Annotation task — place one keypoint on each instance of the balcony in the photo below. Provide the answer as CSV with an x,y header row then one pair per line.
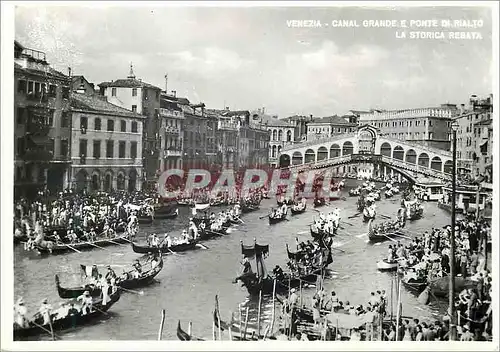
x,y
172,152
228,125
172,130
171,113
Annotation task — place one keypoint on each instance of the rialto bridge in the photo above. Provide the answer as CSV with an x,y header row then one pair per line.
x,y
367,146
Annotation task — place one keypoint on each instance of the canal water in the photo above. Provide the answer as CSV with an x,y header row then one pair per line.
x,y
188,283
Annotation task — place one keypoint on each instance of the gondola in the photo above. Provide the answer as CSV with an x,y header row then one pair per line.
x,y
36,328
319,234
183,247
298,208
128,283
319,202
60,248
184,336
185,202
249,207
276,219
286,201
368,214
380,237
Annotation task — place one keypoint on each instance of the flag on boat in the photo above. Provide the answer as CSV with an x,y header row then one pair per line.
x,y
87,270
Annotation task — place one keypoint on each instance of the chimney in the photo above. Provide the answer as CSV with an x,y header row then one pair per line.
x,y
311,117
166,83
69,71
227,108
263,110
174,92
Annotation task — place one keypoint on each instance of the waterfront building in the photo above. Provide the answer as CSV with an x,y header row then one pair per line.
x,y
195,133
143,98
79,83
300,122
475,137
427,126
106,145
171,132
42,124
324,127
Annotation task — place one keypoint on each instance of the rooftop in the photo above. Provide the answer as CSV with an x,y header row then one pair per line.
x,y
48,71
332,120
93,103
128,83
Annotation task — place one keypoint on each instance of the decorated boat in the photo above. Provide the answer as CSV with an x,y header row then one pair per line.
x,y
43,246
369,213
262,281
67,320
379,235
298,208
412,210
319,202
181,247
127,281
275,218
319,234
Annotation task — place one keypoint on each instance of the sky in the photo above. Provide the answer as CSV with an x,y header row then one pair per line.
x,y
249,58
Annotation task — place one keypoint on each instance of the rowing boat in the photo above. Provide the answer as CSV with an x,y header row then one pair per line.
x,y
385,265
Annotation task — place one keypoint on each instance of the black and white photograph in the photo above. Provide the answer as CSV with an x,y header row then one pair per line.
x,y
218,172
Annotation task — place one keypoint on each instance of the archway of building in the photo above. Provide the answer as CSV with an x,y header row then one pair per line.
x,y
436,163
297,158
398,153
411,156
347,148
423,160
385,149
335,151
322,153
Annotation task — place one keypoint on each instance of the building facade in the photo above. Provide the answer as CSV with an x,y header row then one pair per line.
x,y
106,147
143,98
80,84
426,126
171,132
324,127
42,124
474,136
195,134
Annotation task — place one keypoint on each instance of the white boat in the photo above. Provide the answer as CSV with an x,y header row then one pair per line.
x,y
384,265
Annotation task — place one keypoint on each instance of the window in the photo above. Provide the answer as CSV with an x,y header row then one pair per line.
x,y
51,117
83,123
109,149
97,149
133,150
30,87
123,126
65,92
21,86
111,126
20,146
97,124
52,90
113,92
134,126
64,148
37,87
83,148
20,115
121,149
430,123
134,92
431,135
51,146
134,108
65,119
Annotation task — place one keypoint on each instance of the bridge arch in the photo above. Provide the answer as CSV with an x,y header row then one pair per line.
x,y
385,149
423,160
398,153
322,153
436,163
411,156
448,167
284,160
334,150
347,148
297,158
310,156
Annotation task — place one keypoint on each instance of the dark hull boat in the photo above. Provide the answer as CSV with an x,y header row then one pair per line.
x,y
319,234
276,219
183,247
184,336
381,237
36,327
319,202
127,283
297,209
247,208
61,248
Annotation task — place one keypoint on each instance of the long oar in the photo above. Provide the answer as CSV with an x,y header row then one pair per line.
x,y
46,330
241,221
348,223
171,251
262,217
354,216
201,246
76,250
140,293
385,216
94,245
393,240
120,244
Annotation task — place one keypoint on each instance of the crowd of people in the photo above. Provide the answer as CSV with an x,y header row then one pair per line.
x,y
327,223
